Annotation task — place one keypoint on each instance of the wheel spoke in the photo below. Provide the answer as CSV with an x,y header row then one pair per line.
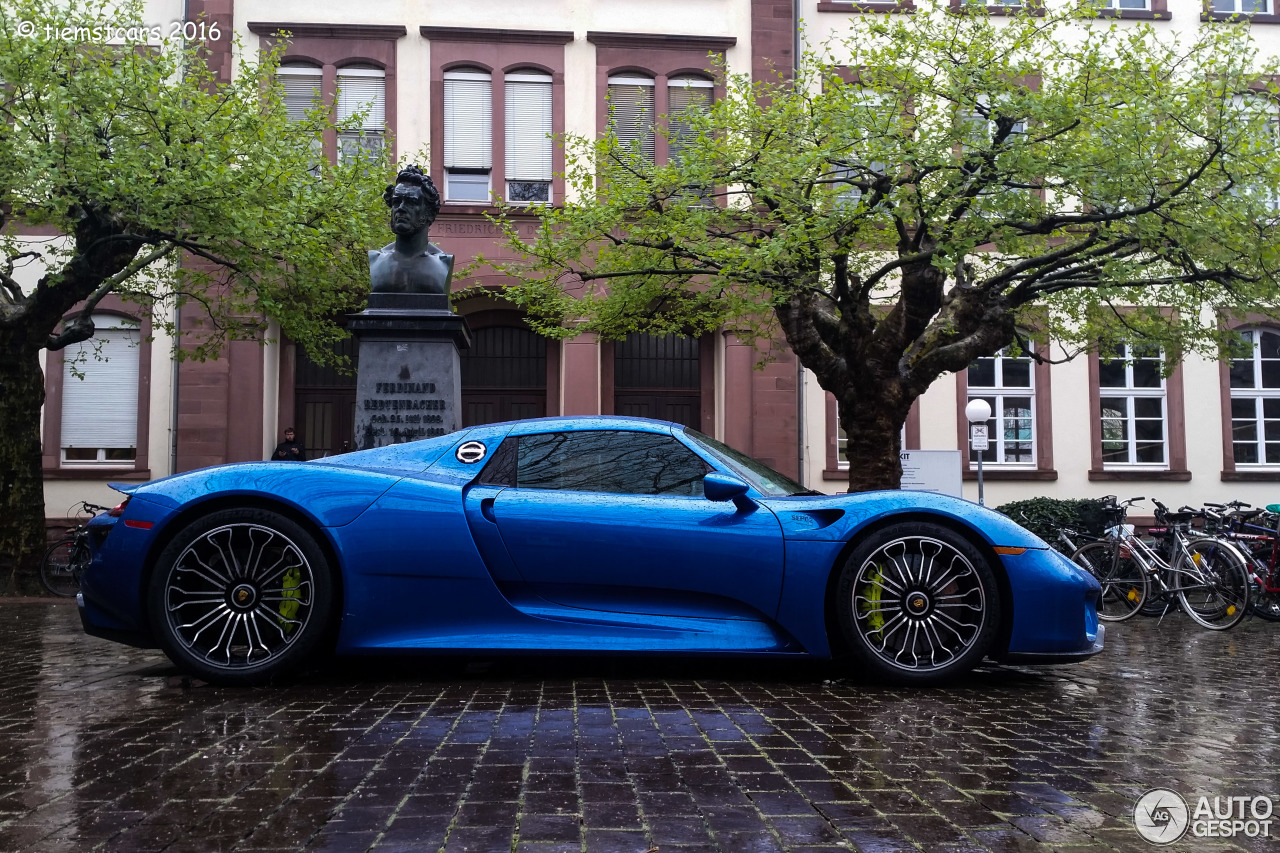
x,y
240,595
919,604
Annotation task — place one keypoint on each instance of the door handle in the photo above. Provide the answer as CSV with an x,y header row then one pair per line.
x,y
486,509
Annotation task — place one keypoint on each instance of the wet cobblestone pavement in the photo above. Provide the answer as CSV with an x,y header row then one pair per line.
x,y
102,748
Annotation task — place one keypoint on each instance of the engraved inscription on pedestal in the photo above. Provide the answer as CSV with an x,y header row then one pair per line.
x,y
406,390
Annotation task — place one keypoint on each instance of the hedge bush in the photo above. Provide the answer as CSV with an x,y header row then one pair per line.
x,y
1046,516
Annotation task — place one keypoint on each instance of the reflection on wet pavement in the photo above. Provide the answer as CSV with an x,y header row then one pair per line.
x,y
102,748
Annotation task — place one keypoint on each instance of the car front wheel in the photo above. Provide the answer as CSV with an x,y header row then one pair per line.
x,y
241,597
918,603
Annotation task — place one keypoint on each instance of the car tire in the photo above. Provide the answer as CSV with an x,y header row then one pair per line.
x,y
241,597
918,604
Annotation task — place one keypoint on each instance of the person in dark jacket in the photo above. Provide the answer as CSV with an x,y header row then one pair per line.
x,y
289,449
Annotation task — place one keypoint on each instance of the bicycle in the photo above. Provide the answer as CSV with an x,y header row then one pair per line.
x,y
1260,543
1208,577
66,560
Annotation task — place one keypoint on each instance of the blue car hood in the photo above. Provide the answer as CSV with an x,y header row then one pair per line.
x,y
831,517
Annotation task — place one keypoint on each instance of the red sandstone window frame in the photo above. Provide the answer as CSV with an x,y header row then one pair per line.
x,y
658,57
1260,473
332,47
1042,404
138,468
1175,469
499,52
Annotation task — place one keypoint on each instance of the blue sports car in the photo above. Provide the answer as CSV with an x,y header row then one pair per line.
x,y
613,535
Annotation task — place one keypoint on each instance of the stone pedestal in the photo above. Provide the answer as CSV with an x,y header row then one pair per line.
x,y
409,383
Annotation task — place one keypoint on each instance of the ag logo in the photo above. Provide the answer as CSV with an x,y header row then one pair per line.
x,y
1161,816
241,596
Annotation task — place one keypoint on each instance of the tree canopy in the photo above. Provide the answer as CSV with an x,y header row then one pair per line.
x,y
166,187
927,190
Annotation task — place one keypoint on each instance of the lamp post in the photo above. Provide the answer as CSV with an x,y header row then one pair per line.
x,y
978,412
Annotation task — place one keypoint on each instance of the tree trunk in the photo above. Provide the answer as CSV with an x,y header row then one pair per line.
x,y
872,420
22,535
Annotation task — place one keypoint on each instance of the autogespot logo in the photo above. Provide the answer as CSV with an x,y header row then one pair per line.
x,y
1162,816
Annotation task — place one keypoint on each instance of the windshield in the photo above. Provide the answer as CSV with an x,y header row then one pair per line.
x,y
762,478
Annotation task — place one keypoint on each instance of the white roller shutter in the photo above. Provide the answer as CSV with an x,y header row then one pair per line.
x,y
302,88
363,89
683,95
528,129
468,120
631,112
101,410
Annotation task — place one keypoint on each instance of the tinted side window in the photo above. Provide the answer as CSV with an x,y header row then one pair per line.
x,y
615,462
501,467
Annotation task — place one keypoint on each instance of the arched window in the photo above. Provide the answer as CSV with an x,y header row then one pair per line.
x,y
100,395
1255,400
631,112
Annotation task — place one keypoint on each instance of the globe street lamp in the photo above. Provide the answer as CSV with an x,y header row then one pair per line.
x,y
978,412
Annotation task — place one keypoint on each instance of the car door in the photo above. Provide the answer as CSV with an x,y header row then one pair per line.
x,y
616,520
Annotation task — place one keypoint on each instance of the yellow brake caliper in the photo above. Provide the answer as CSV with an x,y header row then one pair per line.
x,y
292,594
871,607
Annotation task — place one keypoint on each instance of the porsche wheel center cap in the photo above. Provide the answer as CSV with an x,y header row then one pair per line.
x,y
917,603
244,597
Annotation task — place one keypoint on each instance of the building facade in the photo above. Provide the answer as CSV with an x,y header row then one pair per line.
x,y
480,87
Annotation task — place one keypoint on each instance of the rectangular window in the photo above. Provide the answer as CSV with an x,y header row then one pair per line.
x,y
631,113
100,395
1008,386
1125,4
1131,394
1255,401
528,142
362,91
468,134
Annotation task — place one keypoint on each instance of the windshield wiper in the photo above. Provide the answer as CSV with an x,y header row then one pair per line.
x,y
806,493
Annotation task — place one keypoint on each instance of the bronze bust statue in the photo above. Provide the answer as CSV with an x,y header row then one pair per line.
x,y
412,264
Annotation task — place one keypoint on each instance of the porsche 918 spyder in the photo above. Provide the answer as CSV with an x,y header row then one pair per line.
x,y
570,535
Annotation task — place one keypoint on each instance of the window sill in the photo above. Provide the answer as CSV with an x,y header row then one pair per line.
x,y
835,474
1251,475
855,8
1240,17
1139,475
1135,14
990,473
996,10
473,209
94,472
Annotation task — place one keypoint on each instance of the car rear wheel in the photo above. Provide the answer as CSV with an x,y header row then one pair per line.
x,y
241,596
918,603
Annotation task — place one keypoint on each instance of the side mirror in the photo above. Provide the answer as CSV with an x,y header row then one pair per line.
x,y
726,487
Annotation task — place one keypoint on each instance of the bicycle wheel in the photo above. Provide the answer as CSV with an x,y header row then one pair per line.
x,y
1124,585
1214,590
58,569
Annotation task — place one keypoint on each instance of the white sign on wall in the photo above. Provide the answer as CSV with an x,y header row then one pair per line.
x,y
932,471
